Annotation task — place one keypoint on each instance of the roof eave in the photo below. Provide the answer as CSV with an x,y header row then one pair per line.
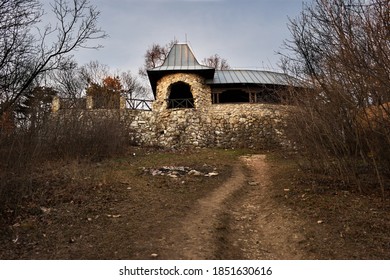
x,y
155,75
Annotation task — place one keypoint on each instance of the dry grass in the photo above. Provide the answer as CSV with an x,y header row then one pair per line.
x,y
110,209
341,223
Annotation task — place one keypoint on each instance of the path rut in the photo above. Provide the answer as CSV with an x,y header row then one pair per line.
x,y
238,220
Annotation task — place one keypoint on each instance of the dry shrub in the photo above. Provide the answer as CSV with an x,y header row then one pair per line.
x,y
85,134
67,137
340,49
333,139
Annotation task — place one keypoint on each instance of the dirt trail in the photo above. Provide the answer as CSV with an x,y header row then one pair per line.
x,y
239,220
195,236
262,228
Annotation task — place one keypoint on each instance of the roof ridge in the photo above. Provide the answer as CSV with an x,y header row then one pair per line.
x,y
254,70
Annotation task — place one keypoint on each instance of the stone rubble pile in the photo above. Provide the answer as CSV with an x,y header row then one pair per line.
x,y
177,171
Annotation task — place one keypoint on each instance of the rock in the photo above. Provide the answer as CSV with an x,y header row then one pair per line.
x,y
320,222
212,174
156,172
194,172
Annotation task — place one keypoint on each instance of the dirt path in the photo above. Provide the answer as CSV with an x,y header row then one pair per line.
x,y
195,236
261,228
239,220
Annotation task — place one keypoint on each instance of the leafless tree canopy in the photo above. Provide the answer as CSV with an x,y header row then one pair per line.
x,y
72,81
27,50
216,62
341,51
155,56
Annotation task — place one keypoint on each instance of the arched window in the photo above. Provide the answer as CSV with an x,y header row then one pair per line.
x,y
180,96
234,96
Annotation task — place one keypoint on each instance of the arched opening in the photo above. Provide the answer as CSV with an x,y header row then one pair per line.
x,y
180,96
234,96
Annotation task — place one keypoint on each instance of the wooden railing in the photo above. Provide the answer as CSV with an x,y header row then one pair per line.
x,y
180,103
88,103
139,104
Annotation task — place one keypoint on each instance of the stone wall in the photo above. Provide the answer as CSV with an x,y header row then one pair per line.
x,y
250,125
225,126
222,125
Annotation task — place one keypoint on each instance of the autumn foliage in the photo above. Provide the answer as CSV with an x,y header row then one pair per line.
x,y
107,94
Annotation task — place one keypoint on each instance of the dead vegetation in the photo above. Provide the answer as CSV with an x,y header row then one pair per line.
x,y
340,125
114,209
108,209
340,221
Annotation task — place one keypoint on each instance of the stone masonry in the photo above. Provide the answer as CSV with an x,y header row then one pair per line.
x,y
250,125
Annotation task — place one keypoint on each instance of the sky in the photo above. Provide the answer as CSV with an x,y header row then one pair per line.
x,y
247,33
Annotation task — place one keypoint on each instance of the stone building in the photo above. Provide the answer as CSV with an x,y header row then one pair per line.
x,y
181,82
203,106
200,106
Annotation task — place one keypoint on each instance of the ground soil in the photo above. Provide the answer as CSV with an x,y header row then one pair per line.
x,y
257,206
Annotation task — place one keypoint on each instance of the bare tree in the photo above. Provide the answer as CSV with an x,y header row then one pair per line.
x,y
93,72
155,56
133,88
26,54
71,82
341,48
68,81
216,62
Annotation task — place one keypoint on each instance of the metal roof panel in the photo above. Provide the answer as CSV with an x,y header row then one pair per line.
x,y
249,77
181,57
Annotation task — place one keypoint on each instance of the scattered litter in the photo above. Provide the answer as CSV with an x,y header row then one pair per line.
x,y
320,222
16,239
114,216
154,255
45,210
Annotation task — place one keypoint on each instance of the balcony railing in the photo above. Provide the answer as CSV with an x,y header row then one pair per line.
x,y
180,103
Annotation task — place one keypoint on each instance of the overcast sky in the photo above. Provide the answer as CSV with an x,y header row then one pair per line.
x,y
247,33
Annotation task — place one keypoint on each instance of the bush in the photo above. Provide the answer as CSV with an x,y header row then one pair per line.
x,y
72,135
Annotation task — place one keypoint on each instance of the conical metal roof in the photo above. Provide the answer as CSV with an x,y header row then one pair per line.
x,y
181,57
